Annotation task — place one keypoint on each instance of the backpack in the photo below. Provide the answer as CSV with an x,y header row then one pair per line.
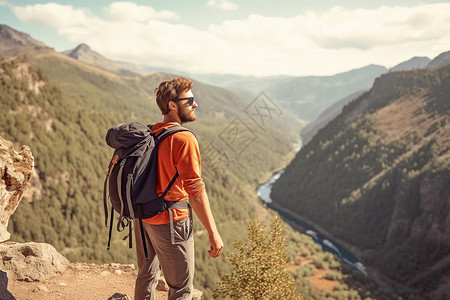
x,y
130,183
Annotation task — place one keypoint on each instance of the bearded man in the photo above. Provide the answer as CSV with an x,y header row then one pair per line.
x,y
172,249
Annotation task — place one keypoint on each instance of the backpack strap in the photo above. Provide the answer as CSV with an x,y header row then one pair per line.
x,y
128,193
169,186
105,201
113,162
110,228
119,188
130,235
169,130
144,241
169,205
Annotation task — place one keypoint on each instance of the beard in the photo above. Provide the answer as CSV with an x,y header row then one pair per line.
x,y
187,116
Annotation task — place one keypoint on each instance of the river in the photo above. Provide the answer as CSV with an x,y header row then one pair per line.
x,y
327,243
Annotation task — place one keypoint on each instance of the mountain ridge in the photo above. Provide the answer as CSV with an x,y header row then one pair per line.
x,y
441,60
85,54
416,62
14,38
14,43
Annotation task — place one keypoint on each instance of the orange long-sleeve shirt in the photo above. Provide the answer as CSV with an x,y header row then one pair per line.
x,y
179,151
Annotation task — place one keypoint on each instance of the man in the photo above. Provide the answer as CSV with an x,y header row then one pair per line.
x,y
178,152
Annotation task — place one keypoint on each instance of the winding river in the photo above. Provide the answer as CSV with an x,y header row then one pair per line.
x,y
327,244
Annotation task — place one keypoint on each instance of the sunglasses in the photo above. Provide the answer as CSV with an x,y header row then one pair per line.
x,y
191,100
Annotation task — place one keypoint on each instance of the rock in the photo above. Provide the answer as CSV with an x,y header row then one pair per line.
x,y
31,261
4,294
16,169
40,288
119,296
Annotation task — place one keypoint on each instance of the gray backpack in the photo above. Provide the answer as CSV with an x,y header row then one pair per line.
x,y
130,183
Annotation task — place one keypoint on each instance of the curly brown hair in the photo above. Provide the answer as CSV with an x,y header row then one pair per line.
x,y
170,90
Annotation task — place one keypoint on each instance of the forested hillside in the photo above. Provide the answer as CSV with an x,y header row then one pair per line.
x,y
377,178
62,109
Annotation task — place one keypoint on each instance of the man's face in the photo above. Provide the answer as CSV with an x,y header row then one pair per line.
x,y
185,111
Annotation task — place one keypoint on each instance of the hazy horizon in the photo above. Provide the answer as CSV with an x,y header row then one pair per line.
x,y
266,38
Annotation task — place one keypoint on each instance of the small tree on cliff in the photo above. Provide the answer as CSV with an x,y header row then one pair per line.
x,y
259,267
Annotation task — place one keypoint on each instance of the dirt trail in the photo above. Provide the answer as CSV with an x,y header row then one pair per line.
x,y
81,281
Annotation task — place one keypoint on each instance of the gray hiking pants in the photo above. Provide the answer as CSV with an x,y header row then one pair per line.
x,y
176,260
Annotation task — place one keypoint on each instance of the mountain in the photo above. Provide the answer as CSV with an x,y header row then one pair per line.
x,y
376,179
16,43
326,116
335,109
442,59
309,96
85,54
411,64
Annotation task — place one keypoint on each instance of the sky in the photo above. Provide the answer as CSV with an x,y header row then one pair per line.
x,y
245,37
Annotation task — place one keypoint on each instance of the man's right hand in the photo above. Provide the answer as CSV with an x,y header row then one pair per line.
x,y
216,245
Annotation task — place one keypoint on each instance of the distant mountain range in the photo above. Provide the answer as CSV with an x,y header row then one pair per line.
x,y
305,96
313,99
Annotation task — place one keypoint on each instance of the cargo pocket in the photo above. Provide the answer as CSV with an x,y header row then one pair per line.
x,y
182,230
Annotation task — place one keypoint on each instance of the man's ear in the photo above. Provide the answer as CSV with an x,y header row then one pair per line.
x,y
172,106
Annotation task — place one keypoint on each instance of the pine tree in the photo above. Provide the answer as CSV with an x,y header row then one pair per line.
x,y
259,267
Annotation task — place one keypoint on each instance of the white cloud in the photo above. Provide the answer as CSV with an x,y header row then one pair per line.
x,y
310,43
222,4
386,26
51,14
129,11
340,39
5,3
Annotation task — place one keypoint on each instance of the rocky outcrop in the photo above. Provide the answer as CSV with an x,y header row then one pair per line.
x,y
15,175
28,261
31,261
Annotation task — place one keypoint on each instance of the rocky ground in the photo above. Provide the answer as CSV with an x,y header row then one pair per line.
x,y
82,281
